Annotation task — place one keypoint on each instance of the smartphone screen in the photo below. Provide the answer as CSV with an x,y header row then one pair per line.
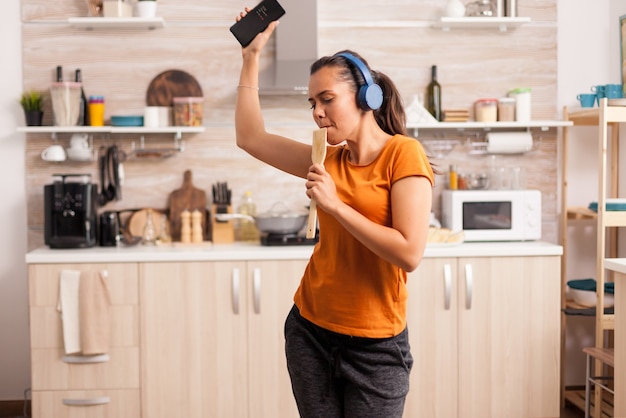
x,y
256,21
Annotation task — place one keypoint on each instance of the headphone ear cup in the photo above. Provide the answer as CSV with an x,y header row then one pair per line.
x,y
373,96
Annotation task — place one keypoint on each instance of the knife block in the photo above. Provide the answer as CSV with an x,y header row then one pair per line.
x,y
223,232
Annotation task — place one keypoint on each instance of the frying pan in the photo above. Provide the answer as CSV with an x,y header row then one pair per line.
x,y
271,222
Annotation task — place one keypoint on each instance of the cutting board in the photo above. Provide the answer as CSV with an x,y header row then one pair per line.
x,y
169,84
190,198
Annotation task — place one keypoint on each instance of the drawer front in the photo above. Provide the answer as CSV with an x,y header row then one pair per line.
x,y
46,327
51,370
44,282
86,404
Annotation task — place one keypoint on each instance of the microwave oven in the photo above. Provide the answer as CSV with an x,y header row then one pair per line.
x,y
493,215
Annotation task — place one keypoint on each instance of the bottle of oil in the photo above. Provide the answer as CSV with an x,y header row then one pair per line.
x,y
246,229
433,95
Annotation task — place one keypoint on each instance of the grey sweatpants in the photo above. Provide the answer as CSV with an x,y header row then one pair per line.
x,y
338,376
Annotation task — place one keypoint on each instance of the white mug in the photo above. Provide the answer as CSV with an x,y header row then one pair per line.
x,y
53,153
151,117
79,141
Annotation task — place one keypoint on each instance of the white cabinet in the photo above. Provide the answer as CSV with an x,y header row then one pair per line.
x,y
74,386
212,338
485,335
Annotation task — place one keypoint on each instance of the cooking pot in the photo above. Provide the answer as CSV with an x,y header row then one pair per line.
x,y
272,222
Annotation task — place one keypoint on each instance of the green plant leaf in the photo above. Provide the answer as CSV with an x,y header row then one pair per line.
x,y
32,101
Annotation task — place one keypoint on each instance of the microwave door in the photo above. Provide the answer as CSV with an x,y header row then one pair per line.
x,y
487,216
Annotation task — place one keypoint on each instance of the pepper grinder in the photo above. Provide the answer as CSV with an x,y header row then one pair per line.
x,y
185,226
196,227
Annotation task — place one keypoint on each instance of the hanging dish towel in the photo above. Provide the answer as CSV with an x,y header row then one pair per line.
x,y
94,305
69,285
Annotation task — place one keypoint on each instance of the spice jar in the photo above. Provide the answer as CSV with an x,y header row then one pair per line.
x,y
506,109
486,110
188,111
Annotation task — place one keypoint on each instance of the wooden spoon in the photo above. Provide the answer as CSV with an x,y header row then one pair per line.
x,y
318,155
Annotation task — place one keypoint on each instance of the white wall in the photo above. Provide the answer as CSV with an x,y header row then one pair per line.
x,y
14,341
588,55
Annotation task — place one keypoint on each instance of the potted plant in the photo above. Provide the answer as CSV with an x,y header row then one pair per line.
x,y
146,8
32,103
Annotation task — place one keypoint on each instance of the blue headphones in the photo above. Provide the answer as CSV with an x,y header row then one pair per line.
x,y
370,95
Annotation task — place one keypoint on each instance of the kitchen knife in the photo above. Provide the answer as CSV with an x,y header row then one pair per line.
x,y
318,155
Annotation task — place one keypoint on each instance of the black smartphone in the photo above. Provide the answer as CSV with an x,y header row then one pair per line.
x,y
256,21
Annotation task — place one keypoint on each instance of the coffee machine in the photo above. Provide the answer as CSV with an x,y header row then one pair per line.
x,y
70,211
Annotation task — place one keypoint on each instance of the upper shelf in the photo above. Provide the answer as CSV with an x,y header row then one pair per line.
x,y
111,129
177,130
543,124
502,23
91,23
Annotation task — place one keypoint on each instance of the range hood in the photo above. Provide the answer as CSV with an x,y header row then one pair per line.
x,y
296,50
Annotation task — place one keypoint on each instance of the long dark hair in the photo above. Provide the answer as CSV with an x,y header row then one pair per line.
x,y
390,116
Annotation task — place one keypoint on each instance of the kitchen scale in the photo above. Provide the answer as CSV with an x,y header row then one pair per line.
x,y
287,239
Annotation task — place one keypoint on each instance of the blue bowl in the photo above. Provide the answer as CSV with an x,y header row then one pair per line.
x,y
126,120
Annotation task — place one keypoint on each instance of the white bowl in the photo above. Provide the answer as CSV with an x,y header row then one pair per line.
x,y
588,298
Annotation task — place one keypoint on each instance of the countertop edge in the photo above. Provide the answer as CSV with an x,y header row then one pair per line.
x,y
252,252
615,264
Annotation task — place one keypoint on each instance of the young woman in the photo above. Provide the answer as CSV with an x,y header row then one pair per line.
x,y
346,339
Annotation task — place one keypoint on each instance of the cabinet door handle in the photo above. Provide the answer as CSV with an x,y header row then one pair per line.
x,y
235,283
256,283
101,400
447,286
100,358
469,286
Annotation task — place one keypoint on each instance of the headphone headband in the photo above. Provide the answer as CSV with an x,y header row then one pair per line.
x,y
370,95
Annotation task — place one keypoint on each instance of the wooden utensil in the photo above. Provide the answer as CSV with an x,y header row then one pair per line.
x,y
318,155
169,84
187,197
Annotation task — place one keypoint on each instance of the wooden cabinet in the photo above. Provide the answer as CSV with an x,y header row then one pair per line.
x,y
485,334
76,386
212,338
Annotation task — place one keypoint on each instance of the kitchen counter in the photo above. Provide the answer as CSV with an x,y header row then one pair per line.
x,y
245,251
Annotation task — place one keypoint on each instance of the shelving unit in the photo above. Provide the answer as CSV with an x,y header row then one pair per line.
x,y
607,222
501,23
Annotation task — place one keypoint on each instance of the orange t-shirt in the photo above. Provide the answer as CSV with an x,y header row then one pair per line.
x,y
346,288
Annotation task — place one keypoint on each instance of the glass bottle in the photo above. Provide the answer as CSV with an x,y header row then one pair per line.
x,y
246,228
164,233
83,115
433,95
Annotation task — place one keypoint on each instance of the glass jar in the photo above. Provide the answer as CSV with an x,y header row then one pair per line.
x,y
481,8
506,109
486,110
188,111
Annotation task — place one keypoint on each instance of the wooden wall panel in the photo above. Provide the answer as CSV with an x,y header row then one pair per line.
x,y
120,64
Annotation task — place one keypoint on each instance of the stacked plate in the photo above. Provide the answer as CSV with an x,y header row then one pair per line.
x,y
127,120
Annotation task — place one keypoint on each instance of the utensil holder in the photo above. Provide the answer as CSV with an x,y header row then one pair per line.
x,y
223,232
